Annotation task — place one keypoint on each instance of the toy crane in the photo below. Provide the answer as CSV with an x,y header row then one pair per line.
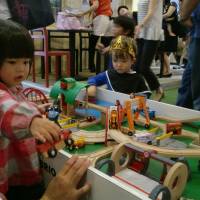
x,y
140,100
120,113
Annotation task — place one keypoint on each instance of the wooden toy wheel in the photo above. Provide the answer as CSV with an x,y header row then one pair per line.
x,y
176,180
121,157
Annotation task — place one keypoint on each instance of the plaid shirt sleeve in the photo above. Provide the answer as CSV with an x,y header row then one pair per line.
x,y
15,116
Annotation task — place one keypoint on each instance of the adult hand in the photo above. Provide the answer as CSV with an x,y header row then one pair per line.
x,y
65,184
137,30
44,130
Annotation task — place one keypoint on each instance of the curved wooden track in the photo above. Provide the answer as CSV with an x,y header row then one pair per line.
x,y
120,137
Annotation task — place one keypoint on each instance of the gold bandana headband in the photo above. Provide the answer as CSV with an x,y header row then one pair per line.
x,y
126,45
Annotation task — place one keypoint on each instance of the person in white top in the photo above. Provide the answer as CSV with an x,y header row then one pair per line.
x,y
148,33
4,10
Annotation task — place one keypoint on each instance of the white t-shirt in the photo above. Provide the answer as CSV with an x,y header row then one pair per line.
x,y
4,10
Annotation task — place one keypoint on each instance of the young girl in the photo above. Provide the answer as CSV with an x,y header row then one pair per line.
x,y
20,121
120,78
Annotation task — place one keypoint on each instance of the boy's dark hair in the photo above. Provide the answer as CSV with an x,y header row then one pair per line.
x,y
126,23
15,41
120,7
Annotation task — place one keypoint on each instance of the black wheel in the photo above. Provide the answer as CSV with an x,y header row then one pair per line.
x,y
130,133
111,166
147,126
199,165
149,142
69,142
160,189
52,152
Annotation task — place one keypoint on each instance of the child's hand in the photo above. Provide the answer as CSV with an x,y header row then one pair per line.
x,y
105,50
64,185
2,197
44,106
100,46
44,130
92,90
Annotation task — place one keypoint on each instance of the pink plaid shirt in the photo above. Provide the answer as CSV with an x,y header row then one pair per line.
x,y
19,164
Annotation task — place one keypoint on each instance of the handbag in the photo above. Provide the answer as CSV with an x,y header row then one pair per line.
x,y
31,13
66,21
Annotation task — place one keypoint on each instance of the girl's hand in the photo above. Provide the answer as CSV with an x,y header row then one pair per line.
x,y
44,106
44,130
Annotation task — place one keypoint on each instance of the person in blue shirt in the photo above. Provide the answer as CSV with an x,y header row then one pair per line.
x,y
189,91
120,78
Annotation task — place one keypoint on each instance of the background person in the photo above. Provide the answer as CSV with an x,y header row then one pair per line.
x,y
189,91
101,11
120,78
149,33
20,120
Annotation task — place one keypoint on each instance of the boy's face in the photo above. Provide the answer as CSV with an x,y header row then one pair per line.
x,y
117,30
14,70
122,65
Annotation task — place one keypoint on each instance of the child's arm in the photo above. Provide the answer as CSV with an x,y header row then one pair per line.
x,y
18,119
98,80
65,184
94,81
92,91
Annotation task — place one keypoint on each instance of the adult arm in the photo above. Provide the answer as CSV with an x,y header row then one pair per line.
x,y
93,7
151,9
187,7
170,11
152,6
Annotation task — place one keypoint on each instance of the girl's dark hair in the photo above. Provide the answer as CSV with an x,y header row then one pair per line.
x,y
126,23
120,7
15,41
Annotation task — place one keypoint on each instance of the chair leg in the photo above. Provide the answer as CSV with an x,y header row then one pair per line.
x,y
33,70
68,64
56,68
46,65
77,66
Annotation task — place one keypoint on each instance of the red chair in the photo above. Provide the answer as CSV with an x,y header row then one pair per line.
x,y
46,53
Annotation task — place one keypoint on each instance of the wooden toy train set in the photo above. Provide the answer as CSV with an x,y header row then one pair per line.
x,y
131,132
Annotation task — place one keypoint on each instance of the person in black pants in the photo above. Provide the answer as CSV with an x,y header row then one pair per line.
x,y
145,54
92,46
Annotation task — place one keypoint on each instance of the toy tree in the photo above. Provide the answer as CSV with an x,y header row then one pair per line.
x,y
68,89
